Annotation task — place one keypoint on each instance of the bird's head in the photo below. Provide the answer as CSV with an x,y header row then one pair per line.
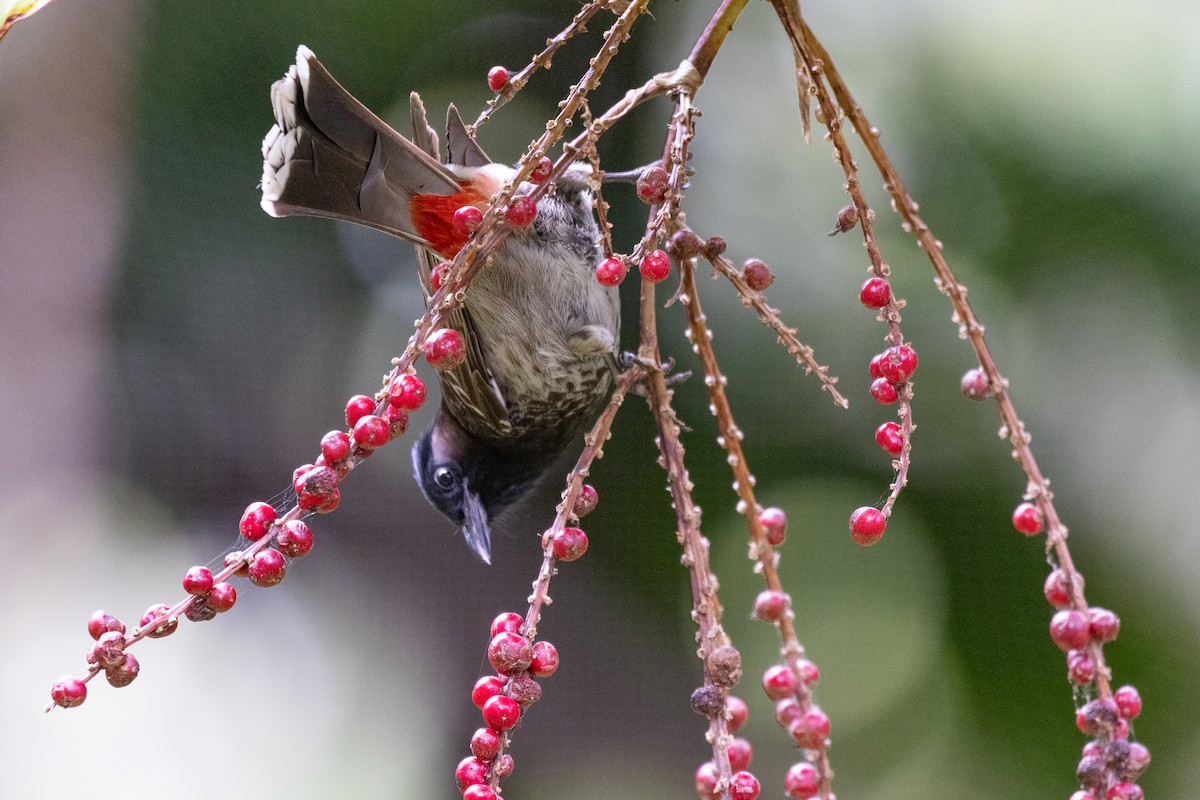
x,y
469,481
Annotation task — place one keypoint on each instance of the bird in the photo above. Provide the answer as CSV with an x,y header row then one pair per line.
x,y
541,332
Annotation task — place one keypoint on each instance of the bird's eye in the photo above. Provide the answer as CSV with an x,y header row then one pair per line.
x,y
444,477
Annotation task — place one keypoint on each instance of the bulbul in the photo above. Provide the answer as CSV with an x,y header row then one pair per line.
x,y
541,332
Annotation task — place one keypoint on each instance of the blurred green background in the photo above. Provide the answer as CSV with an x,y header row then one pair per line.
x,y
169,353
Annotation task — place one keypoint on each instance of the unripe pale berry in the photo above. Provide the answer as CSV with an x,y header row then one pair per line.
x,y
497,78
975,384
867,524
652,185
407,392
611,271
875,293
787,711
774,524
198,581
809,674
569,544
501,713
883,392
358,407
655,266
445,349
521,212
1027,519
503,766
757,274
256,520
890,438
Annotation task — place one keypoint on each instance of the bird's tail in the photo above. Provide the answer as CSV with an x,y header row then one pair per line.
x,y
329,156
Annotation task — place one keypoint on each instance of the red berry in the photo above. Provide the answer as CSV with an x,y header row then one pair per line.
x,y
1027,519
774,524
779,682
655,266
486,688
802,781
371,432
102,622
810,729
319,481
586,500
569,544
438,275
1103,624
165,628
541,173
267,568
521,211
397,421
407,392
975,384
876,366
1129,701
743,786
884,392
323,505
809,674
358,407
1080,667
68,692
738,712
611,271
740,754
875,293
466,220
1056,589
770,605
890,438
899,363
123,673
507,622
485,744
445,349
221,597
757,274
866,525
198,581
470,771
335,446
295,539
510,653
256,520
497,78
706,780
653,184
480,791
545,660
501,713
1070,630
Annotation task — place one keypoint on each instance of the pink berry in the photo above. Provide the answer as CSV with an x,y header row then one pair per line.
x,y
809,674
438,275
787,711
774,524
108,651
68,692
875,293
770,605
1056,589
652,185
1027,519
569,544
485,744
470,771
1135,765
975,384
510,653
466,220
611,271
507,622
521,212
779,682
503,766
738,711
497,78
335,446
371,432
899,363
486,688
655,266
295,539
198,581
480,791
586,500
867,524
445,349
102,622
890,438
541,172
802,781
358,407
757,274
1124,791
407,392
256,520
1129,701
524,689
743,786
267,568
501,713
1103,624
1083,794
397,421
875,368
124,673
165,628
740,754
1069,629
884,392
221,597
706,780
545,660
1080,667
810,729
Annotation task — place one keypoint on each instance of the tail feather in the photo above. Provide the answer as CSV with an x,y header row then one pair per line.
x,y
329,156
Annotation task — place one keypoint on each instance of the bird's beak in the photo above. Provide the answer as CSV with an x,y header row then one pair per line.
x,y
475,526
